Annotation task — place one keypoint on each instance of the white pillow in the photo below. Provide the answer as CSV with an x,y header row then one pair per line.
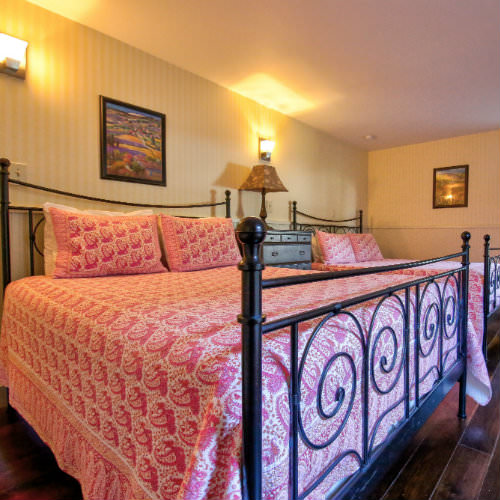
x,y
49,237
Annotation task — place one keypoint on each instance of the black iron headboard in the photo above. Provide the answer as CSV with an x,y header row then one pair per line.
x,y
333,226
6,208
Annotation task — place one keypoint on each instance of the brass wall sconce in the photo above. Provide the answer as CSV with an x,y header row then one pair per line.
x,y
266,147
13,56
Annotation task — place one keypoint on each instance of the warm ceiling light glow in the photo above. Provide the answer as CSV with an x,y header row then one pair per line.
x,y
270,93
75,10
12,55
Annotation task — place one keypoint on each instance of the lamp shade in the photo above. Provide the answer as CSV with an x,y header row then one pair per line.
x,y
263,177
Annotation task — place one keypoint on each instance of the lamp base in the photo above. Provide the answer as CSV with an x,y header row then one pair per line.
x,y
263,211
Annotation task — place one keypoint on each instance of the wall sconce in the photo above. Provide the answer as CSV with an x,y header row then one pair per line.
x,y
266,147
13,56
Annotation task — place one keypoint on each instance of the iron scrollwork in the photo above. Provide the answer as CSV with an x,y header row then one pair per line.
x,y
428,317
494,264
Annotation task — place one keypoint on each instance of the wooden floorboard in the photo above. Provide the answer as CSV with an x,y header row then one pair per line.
x,y
54,486
481,434
420,474
28,469
17,441
493,354
463,478
491,485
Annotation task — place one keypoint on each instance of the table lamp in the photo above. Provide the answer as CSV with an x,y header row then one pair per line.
x,y
265,179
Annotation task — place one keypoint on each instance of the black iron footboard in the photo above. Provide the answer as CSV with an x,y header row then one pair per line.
x,y
352,225
491,284
423,357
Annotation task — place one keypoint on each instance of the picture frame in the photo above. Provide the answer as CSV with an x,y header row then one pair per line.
x,y
451,187
132,143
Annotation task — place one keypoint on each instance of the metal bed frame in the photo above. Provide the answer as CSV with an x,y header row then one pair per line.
x,y
334,226
491,284
491,261
450,323
452,316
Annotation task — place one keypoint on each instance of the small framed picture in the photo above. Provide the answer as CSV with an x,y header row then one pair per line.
x,y
132,143
451,186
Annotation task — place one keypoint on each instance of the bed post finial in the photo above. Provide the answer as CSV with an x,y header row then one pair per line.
x,y
464,293
465,237
4,219
486,292
251,232
294,215
228,203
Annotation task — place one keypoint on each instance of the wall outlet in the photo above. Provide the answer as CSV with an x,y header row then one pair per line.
x,y
18,171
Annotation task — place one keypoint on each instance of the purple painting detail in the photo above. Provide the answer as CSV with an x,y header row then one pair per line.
x,y
133,146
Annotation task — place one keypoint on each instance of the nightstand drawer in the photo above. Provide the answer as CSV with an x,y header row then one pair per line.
x,y
273,238
280,254
289,237
304,238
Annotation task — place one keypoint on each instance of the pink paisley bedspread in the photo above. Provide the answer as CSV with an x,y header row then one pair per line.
x,y
134,381
476,279
476,271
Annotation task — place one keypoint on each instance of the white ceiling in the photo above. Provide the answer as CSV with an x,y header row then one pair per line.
x,y
405,71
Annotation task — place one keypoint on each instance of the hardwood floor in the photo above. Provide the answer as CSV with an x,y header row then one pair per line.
x,y
448,459
452,459
28,470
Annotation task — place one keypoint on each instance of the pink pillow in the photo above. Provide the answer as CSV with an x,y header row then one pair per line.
x,y
49,238
335,248
193,244
102,245
365,247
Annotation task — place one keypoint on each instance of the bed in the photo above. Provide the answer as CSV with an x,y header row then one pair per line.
x,y
484,293
492,277
145,385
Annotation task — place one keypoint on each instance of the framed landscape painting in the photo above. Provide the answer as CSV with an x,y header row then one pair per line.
x,y
132,143
451,186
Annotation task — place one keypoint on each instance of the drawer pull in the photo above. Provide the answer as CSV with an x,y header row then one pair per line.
x,y
274,253
302,252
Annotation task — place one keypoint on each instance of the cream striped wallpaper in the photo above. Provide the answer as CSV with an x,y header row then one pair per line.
x,y
400,209
52,125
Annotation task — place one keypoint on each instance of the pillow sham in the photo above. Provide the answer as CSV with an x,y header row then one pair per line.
x,y
194,244
365,247
335,248
102,245
49,238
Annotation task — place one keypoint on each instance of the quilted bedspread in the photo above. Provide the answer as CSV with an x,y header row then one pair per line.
x,y
476,279
134,381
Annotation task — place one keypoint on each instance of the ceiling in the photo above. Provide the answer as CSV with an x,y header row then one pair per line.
x,y
403,71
